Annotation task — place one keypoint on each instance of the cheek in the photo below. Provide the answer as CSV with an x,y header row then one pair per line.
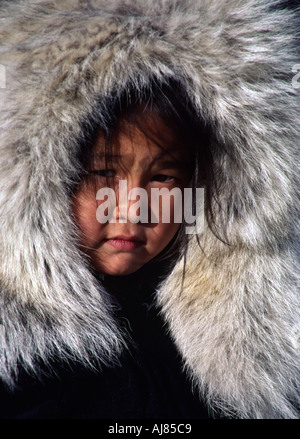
x,y
163,232
84,209
161,235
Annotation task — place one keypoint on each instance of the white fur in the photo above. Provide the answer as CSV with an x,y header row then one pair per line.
x,y
235,318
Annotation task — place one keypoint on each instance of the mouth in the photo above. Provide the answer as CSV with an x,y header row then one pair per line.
x,y
125,243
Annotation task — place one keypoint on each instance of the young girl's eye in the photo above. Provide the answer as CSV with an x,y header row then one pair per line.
x,y
162,178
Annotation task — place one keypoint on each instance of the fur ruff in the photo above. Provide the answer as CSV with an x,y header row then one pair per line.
x,y
235,317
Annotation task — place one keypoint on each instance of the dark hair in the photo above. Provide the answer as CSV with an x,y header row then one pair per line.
x,y
169,102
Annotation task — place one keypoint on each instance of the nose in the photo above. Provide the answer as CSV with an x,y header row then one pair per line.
x,y
133,202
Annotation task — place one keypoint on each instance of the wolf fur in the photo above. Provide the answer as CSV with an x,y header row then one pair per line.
x,y
232,308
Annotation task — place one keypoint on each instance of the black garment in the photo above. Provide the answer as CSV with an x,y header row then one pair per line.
x,y
147,384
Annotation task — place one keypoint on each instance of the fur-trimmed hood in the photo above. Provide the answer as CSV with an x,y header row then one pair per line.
x,y
235,319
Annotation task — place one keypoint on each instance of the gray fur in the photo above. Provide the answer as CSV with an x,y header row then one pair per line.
x,y
236,319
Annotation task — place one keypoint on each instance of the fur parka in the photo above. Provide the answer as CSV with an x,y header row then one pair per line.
x,y
234,315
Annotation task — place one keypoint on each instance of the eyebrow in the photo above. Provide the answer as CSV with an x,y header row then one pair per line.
x,y
103,155
172,163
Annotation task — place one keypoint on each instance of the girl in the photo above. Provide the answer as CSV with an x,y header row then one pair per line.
x,y
133,318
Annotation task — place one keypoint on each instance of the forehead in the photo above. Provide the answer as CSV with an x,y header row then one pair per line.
x,y
147,136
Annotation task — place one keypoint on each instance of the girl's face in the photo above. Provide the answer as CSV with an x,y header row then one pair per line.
x,y
158,161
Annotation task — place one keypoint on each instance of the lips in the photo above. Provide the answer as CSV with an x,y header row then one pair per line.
x,y
125,243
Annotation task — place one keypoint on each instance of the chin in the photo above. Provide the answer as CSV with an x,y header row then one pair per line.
x,y
118,271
